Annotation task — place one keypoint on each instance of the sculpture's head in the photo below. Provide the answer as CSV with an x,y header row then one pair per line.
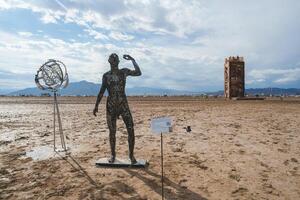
x,y
114,61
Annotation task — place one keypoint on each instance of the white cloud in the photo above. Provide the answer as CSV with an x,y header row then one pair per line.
x,y
25,34
187,39
120,36
48,18
281,76
25,55
4,5
97,35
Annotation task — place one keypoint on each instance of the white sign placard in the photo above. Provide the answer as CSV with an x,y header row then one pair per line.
x,y
161,125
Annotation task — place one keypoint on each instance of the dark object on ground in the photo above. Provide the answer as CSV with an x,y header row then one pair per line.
x,y
188,129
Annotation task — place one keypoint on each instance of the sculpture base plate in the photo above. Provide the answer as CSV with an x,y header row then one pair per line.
x,y
121,163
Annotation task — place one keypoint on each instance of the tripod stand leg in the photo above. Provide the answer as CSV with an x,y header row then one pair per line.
x,y
54,119
62,138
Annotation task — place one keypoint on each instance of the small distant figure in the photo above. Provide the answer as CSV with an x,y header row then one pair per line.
x,y
114,81
188,129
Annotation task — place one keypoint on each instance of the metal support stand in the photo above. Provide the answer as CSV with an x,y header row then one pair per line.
x,y
56,112
162,166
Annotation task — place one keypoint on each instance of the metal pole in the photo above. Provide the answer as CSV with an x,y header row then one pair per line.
x,y
54,118
162,166
62,138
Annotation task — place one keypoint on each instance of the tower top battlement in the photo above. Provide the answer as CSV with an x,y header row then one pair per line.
x,y
233,58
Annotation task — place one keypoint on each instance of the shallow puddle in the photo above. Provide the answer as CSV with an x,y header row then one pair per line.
x,y
46,152
41,153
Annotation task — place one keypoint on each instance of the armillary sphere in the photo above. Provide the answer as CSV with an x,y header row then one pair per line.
x,y
52,75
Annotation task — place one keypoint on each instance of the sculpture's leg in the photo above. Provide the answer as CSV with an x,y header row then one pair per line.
x,y
111,122
127,118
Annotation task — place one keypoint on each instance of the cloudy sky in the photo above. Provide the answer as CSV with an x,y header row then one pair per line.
x,y
179,44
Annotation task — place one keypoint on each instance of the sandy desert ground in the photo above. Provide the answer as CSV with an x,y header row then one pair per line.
x,y
236,150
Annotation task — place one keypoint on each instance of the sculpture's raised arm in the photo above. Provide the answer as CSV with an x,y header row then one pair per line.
x,y
136,71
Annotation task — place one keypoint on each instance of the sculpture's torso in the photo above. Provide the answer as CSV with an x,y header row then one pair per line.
x,y
115,83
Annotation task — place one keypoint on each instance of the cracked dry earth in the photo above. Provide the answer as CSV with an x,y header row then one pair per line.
x,y
236,150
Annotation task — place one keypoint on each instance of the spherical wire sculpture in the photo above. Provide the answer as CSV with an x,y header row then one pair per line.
x,y
53,76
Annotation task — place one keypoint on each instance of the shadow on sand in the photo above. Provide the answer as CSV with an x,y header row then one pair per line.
x,y
116,188
68,158
171,189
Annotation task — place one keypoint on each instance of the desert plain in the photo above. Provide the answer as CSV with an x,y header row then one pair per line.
x,y
236,150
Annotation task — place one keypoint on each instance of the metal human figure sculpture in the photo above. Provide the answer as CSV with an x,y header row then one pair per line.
x,y
114,81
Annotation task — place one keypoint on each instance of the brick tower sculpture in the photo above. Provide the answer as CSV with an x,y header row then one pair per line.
x,y
234,77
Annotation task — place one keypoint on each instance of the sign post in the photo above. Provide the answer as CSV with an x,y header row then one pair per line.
x,y
162,165
159,126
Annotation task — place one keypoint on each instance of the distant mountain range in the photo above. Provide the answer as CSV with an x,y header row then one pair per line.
x,y
6,91
85,88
